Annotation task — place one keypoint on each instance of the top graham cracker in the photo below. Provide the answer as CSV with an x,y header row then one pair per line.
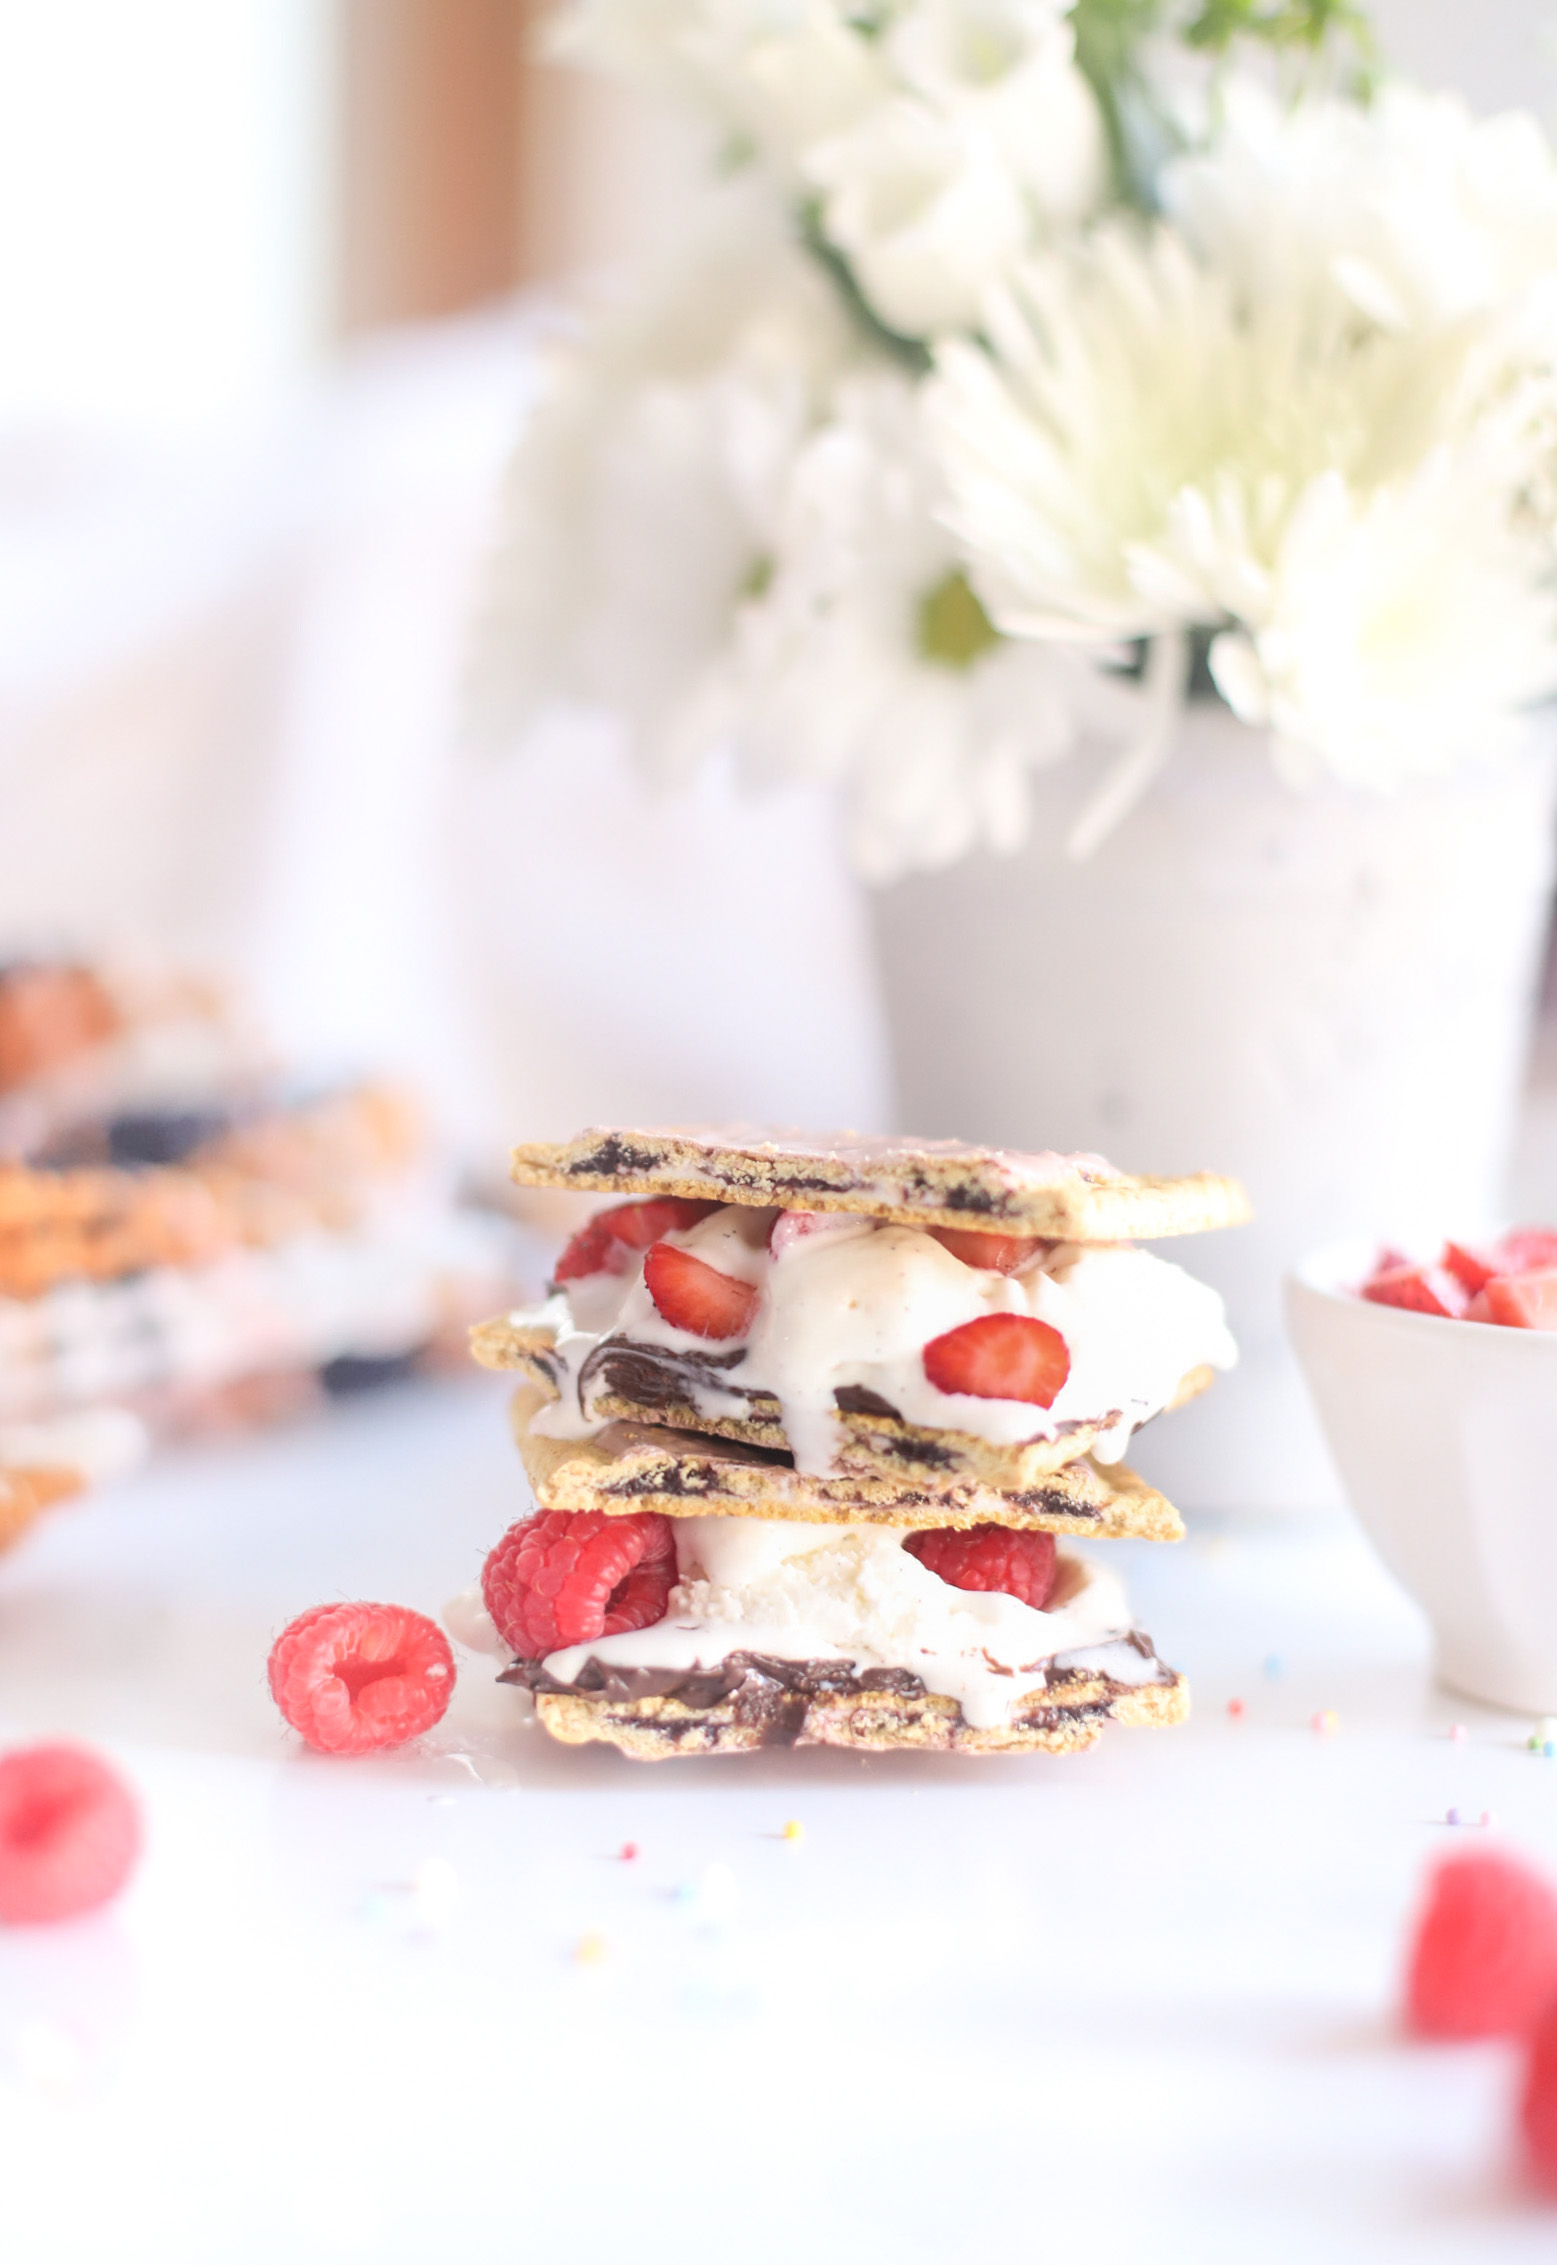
x,y
915,1183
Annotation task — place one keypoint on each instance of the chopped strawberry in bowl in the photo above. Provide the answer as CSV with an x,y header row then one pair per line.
x,y
1434,1376
1510,1281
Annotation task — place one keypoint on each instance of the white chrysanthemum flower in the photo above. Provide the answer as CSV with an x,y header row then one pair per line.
x,y
1007,69
1400,632
868,662
1120,377
646,489
780,73
1413,212
926,212
1149,448
788,75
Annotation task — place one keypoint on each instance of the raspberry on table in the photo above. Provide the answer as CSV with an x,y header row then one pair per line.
x,y
1484,1956
1022,1565
1538,2105
567,1576
70,1832
355,1678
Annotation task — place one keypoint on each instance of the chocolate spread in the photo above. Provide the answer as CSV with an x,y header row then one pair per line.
x,y
772,1695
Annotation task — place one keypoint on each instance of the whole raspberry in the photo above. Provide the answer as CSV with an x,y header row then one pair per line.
x,y
1538,2106
352,1678
565,1577
1021,1564
70,1832
1484,1957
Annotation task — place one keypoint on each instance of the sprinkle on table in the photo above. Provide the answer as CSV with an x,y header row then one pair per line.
x,y
794,1830
1458,1734
629,1851
1325,1723
1543,1738
1235,1709
589,1950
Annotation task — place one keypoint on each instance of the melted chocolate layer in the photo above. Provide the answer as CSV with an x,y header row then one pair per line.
x,y
772,1695
652,1376
655,1376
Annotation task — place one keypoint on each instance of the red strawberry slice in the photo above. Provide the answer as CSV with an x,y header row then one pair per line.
x,y
1001,1356
693,1296
1527,1249
1472,1265
604,1243
593,1250
1519,1301
1003,1254
1418,1289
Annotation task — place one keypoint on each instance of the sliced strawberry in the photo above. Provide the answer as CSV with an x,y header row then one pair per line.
x,y
1418,1289
1002,1254
1526,1250
1520,1301
604,1243
1001,1356
593,1250
696,1297
1472,1265
640,1225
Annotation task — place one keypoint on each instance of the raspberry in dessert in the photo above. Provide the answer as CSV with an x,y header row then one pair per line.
x,y
803,1419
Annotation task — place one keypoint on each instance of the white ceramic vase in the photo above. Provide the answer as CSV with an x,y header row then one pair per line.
x,y
1326,993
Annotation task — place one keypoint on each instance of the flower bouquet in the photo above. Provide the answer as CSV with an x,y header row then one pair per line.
x,y
1053,410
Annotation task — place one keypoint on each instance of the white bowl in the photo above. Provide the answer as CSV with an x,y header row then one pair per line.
x,y
1445,1436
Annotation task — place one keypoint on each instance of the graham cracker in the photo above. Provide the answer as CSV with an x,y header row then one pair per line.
x,y
1065,1719
916,1183
632,1467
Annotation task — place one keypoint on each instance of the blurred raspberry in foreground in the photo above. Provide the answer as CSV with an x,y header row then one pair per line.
x,y
70,1833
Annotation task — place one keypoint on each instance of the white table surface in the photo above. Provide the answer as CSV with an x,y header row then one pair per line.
x,y
1133,2004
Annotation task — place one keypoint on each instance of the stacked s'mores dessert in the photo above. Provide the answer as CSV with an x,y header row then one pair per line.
x,y
810,1423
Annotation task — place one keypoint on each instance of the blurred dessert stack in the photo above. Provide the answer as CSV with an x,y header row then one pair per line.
x,y
186,1236
804,1419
